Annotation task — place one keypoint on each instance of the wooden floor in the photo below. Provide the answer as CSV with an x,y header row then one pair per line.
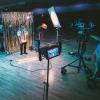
x,y
20,79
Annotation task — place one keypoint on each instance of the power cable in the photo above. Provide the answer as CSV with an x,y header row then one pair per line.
x,y
27,69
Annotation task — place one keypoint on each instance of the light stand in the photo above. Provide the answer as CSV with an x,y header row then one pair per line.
x,y
57,34
51,51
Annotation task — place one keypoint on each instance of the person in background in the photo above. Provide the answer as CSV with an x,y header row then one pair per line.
x,y
41,30
22,34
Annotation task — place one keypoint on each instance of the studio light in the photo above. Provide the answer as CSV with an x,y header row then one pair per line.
x,y
54,17
55,21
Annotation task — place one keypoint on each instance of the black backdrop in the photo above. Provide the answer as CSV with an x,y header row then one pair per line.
x,y
66,20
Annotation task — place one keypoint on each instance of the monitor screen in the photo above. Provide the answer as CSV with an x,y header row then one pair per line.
x,y
53,53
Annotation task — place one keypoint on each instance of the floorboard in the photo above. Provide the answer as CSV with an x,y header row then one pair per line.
x,y
23,81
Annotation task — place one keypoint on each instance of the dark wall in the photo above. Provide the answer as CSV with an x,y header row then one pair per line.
x,y
66,20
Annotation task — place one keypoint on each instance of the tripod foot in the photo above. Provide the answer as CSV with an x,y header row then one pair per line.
x,y
91,83
78,70
63,71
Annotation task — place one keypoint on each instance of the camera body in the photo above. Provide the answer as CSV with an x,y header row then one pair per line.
x,y
50,51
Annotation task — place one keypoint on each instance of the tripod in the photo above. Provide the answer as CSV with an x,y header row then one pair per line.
x,y
79,40
82,49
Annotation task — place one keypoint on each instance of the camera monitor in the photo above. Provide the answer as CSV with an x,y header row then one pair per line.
x,y
52,53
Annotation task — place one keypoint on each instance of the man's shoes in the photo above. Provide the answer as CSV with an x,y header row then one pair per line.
x,y
25,53
21,53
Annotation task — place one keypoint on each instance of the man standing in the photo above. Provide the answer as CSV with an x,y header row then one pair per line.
x,y
22,34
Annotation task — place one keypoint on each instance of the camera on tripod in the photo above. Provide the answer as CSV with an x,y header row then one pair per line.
x,y
50,51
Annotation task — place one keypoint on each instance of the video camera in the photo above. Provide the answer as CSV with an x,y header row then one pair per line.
x,y
50,51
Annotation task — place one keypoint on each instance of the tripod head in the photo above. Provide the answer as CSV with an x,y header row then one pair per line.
x,y
83,28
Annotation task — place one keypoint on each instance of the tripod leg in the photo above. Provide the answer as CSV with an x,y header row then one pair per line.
x,y
87,70
80,62
79,46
